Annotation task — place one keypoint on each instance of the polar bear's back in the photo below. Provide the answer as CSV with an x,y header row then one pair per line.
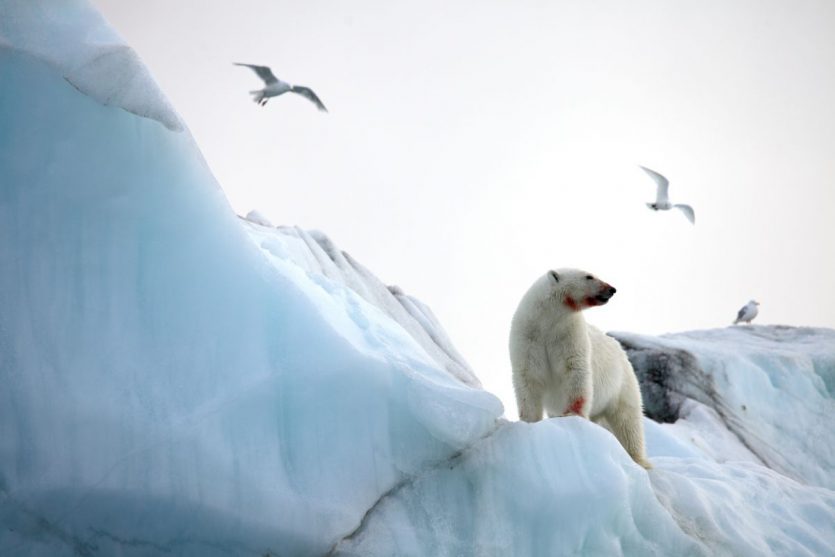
x,y
603,343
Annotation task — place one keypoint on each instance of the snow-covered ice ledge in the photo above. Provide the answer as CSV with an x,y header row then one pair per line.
x,y
317,254
76,40
772,387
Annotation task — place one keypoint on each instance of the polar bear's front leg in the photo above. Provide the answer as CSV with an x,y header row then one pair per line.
x,y
578,386
530,370
528,396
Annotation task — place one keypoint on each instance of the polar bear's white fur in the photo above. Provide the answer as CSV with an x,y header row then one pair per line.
x,y
564,366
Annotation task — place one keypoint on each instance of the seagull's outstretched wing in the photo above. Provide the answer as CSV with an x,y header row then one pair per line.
x,y
688,212
264,72
308,93
663,184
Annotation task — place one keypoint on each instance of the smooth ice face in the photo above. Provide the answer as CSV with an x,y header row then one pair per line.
x,y
166,386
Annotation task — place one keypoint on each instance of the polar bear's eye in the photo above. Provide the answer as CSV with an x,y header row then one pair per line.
x,y
589,277
555,276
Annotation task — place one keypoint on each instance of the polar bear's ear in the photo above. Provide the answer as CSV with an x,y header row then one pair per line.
x,y
555,276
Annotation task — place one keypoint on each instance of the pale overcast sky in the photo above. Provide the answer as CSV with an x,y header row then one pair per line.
x,y
470,146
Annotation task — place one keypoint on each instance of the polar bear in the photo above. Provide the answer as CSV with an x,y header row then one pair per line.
x,y
567,367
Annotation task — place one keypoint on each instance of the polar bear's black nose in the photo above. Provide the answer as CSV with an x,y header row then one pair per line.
x,y
606,293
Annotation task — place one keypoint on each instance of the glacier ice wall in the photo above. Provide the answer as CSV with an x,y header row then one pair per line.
x,y
167,387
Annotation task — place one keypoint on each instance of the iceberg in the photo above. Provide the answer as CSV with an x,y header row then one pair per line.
x,y
166,386
178,380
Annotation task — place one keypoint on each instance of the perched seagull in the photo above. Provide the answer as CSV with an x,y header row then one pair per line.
x,y
275,87
662,200
748,312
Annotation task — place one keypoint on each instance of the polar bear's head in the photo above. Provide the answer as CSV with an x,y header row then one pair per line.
x,y
577,289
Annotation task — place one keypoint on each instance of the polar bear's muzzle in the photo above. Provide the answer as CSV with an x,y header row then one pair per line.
x,y
605,294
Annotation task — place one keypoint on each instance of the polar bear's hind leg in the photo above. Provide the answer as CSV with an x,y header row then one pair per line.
x,y
622,419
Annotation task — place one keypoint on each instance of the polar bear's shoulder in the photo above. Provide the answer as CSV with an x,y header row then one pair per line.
x,y
603,343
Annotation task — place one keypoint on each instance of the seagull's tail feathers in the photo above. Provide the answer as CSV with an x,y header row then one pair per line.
x,y
257,95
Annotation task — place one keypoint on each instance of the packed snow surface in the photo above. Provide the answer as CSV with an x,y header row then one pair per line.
x,y
179,381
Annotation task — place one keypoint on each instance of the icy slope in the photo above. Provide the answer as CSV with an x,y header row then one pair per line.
x,y
317,254
166,388
739,508
772,387
558,487
719,492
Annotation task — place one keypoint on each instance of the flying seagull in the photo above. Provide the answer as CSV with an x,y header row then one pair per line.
x,y
275,87
747,313
662,200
